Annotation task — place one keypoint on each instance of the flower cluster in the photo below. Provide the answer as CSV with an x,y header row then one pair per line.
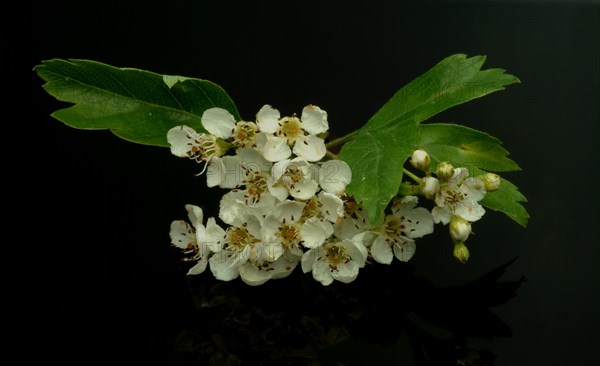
x,y
456,196
286,202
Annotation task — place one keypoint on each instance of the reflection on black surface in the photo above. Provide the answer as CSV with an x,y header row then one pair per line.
x,y
294,321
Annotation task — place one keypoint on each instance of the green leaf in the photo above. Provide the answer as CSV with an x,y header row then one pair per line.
x,y
377,154
379,149
136,105
507,200
465,147
455,80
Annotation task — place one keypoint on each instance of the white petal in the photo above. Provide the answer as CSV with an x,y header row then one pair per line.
x,y
232,209
404,251
441,214
346,272
332,206
221,267
218,122
289,210
241,256
460,174
195,215
314,120
334,176
348,227
311,148
309,258
182,139
225,172
420,224
322,273
406,204
271,251
198,267
262,207
214,235
357,251
382,251
366,238
254,225
270,228
251,275
473,188
182,234
278,190
214,172
304,190
469,210
267,119
417,221
251,159
314,232
276,149
279,168
283,267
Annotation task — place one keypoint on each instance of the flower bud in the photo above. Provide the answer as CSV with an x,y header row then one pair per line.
x,y
429,187
460,229
444,170
420,160
491,181
461,252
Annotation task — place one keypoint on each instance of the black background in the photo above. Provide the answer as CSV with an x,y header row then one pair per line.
x,y
106,286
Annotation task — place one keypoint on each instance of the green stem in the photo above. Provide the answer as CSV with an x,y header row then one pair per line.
x,y
407,189
411,175
331,155
341,140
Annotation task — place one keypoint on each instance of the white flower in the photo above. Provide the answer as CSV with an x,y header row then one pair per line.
x,y
241,244
282,227
395,236
222,124
459,196
353,221
247,168
256,273
319,215
283,133
198,240
297,176
244,134
235,206
334,176
325,206
336,260
185,142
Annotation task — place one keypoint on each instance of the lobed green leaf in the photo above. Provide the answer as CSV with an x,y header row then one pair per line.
x,y
136,105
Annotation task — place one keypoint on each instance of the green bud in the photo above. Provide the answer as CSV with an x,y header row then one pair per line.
x,y
461,252
491,181
420,160
460,229
444,170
